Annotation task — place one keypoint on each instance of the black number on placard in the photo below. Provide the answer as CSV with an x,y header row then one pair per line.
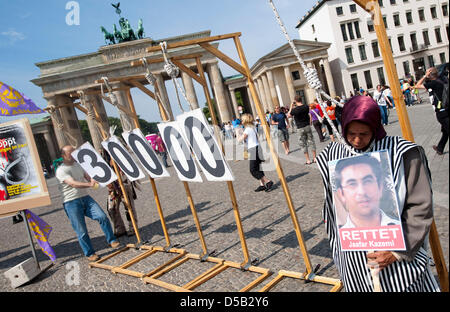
x,y
134,139
95,164
219,169
112,147
191,172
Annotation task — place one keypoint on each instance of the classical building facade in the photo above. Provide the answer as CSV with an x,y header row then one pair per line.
x,y
418,31
279,77
61,78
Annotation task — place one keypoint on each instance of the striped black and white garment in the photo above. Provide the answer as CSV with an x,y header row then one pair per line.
x,y
400,276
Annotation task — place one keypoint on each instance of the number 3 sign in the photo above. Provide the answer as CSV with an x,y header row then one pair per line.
x,y
94,165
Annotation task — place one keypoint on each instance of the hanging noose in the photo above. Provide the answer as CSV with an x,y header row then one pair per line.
x,y
313,81
173,72
115,102
153,82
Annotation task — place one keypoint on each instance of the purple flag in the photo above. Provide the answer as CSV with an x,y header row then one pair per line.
x,y
13,103
41,231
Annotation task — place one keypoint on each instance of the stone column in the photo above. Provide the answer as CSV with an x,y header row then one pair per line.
x,y
329,77
189,89
310,93
219,91
234,101
261,94
164,95
266,90
289,84
95,132
126,121
252,103
70,119
60,137
272,89
52,149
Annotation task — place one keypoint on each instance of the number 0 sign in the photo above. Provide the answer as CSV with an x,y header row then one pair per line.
x,y
179,152
122,158
197,132
145,154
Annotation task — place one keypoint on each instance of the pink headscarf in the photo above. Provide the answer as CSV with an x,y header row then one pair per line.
x,y
363,109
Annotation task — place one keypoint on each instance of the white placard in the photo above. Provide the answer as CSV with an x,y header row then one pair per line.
x,y
91,161
203,143
123,158
179,152
145,153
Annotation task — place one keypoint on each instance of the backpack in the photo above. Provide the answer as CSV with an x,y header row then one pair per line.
x,y
444,100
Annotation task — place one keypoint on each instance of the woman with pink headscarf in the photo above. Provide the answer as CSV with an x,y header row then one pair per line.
x,y
401,270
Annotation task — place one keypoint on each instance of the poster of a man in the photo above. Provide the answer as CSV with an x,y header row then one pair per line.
x,y
366,204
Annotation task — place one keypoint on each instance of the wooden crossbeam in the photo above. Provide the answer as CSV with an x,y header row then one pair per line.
x,y
194,41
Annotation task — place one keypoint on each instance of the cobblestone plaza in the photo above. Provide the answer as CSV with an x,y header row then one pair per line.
x,y
265,217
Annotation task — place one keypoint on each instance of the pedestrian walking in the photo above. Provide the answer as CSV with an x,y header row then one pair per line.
x,y
431,81
316,121
249,135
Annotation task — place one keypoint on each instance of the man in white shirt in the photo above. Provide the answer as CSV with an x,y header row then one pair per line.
x,y
73,182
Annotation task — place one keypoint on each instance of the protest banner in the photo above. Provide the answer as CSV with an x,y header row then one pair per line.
x,y
366,203
22,182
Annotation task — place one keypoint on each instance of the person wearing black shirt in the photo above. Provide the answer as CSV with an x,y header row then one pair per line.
x,y
302,118
431,81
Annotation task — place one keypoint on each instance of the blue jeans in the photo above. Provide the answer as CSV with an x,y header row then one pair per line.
x,y
384,117
408,98
76,210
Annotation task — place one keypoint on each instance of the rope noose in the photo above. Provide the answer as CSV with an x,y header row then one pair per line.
x,y
52,109
173,72
313,81
115,102
153,82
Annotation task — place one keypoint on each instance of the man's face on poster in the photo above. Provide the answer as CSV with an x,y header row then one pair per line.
x,y
360,191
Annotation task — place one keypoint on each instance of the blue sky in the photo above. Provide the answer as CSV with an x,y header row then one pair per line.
x,y
36,31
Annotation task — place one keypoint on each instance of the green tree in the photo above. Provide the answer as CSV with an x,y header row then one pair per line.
x,y
207,112
146,127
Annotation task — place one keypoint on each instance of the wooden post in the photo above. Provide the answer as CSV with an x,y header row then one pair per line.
x,y
186,187
119,178
237,215
275,157
388,59
152,181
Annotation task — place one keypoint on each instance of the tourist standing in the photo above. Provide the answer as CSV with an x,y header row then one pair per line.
x,y
300,112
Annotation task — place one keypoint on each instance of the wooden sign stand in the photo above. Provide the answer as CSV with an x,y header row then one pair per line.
x,y
373,8
221,264
244,69
139,245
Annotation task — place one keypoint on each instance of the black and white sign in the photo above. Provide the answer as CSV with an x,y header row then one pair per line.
x,y
197,133
91,161
123,158
179,152
145,153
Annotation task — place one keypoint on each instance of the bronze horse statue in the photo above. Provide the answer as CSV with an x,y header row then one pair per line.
x,y
108,36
